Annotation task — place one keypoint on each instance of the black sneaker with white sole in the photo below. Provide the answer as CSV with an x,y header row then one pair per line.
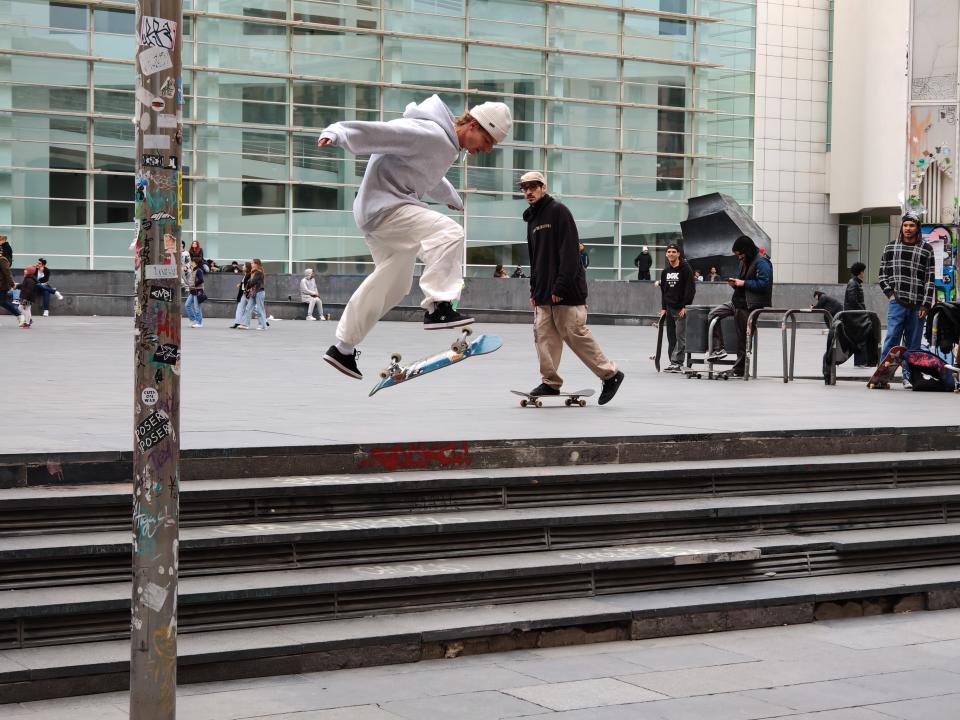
x,y
544,389
717,355
347,364
609,388
444,316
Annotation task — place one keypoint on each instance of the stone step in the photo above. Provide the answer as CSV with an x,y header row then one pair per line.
x,y
57,558
64,670
57,508
33,617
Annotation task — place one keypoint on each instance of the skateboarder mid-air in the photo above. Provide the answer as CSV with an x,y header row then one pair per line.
x,y
408,160
558,292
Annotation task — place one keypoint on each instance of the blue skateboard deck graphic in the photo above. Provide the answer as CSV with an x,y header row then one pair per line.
x,y
459,351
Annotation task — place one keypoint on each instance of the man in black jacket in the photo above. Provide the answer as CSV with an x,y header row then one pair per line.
x,y
677,289
558,292
853,299
643,261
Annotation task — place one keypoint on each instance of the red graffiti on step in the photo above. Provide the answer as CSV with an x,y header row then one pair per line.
x,y
417,456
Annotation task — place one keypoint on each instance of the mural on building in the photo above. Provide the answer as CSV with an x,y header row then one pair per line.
x,y
932,142
943,240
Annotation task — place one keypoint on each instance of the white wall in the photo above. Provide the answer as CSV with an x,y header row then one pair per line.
x,y
790,182
868,151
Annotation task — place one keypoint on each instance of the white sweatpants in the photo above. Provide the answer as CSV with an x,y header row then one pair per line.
x,y
311,304
395,243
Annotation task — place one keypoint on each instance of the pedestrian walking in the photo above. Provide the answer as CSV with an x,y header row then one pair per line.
x,y
43,285
255,292
907,279
195,293
28,293
408,160
677,290
644,262
310,296
752,289
558,292
241,310
853,299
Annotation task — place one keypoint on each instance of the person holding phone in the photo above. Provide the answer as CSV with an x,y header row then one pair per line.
x,y
752,289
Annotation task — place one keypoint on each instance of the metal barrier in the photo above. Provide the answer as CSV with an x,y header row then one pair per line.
x,y
791,316
832,371
752,344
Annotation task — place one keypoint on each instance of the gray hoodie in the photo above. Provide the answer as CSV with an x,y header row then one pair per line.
x,y
408,159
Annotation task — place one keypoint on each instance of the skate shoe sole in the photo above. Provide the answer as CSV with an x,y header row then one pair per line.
x,y
342,368
452,324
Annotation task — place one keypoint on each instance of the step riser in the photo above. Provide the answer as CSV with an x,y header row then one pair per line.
x,y
96,564
70,623
115,677
108,467
312,503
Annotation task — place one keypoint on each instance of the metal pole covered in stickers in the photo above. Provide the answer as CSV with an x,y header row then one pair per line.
x,y
156,440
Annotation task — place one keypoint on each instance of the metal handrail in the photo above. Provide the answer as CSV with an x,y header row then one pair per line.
x,y
751,342
791,316
832,371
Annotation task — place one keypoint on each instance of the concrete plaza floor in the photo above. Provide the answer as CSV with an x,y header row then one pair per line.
x,y
68,387
873,668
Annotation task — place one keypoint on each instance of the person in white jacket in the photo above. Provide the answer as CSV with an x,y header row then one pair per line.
x,y
408,160
309,295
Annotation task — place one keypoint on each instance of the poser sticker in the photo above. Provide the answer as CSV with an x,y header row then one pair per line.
x,y
152,429
158,32
158,272
149,396
156,142
154,59
166,120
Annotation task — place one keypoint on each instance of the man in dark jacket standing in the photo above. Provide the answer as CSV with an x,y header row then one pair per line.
x,y
853,299
644,262
677,289
752,289
558,292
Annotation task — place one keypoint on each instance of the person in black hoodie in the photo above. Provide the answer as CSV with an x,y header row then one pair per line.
x,y
853,299
558,292
677,289
752,289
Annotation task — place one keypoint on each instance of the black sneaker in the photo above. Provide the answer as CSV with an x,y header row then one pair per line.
x,y
717,355
444,316
544,389
609,388
347,364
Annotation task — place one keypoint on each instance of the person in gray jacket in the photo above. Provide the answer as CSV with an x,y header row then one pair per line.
x,y
408,160
309,294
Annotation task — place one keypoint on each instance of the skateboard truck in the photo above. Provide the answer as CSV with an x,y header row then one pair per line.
x,y
393,368
460,344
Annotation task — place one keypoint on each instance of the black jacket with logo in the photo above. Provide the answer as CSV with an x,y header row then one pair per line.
x,y
554,245
677,286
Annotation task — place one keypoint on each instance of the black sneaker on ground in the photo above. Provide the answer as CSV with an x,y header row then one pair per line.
x,y
717,355
609,388
544,389
444,316
674,368
347,364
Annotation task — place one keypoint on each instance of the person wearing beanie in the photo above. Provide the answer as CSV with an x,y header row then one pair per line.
x,y
309,294
558,292
409,158
643,261
907,279
752,289
677,290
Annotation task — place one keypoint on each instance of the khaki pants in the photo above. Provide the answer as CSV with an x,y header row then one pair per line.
x,y
554,325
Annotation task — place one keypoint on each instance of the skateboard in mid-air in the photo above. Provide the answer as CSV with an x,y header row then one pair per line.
x,y
883,375
570,398
460,350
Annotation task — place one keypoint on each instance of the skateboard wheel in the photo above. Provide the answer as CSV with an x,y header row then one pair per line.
x,y
384,374
467,331
523,403
458,346
395,357
538,403
568,402
583,403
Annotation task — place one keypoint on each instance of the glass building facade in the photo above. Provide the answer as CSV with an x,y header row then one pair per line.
x,y
628,107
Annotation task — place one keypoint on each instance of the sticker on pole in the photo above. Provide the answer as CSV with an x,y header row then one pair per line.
x,y
158,272
149,396
152,429
158,32
154,59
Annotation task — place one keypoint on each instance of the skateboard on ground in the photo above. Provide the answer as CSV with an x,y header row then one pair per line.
x,y
571,398
883,375
656,354
460,350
